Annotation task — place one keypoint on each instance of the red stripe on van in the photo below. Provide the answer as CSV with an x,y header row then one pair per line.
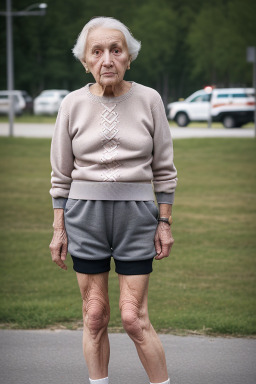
x,y
251,103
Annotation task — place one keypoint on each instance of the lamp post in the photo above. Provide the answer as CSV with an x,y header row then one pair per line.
x,y
41,10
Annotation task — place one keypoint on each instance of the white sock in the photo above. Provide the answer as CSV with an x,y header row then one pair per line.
x,y
100,381
164,382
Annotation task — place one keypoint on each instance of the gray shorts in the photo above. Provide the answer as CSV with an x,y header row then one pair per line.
x,y
98,230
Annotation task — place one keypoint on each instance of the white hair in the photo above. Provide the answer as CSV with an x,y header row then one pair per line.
x,y
110,23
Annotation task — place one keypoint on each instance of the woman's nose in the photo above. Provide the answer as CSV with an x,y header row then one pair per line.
x,y
106,58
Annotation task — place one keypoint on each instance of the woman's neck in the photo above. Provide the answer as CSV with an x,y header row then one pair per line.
x,y
110,91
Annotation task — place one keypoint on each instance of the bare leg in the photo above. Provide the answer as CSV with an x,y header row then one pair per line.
x,y
94,291
134,312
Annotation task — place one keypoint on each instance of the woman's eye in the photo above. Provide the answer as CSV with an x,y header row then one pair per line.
x,y
116,51
97,52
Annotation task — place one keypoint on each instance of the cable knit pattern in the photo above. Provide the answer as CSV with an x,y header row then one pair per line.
x,y
110,143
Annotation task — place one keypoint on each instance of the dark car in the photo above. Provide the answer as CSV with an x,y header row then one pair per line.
x,y
29,102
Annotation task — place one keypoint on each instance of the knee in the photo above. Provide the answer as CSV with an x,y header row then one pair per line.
x,y
96,316
134,321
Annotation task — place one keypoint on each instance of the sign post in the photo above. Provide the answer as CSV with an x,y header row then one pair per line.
x,y
251,58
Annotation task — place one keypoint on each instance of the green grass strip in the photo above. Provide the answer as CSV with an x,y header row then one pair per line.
x,y
207,285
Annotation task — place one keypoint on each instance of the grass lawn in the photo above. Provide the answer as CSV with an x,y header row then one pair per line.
x,y
207,285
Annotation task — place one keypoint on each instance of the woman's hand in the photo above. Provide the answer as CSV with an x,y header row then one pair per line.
x,y
59,247
59,243
163,240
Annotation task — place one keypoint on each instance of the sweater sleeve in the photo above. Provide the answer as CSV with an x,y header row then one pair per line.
x,y
62,160
164,171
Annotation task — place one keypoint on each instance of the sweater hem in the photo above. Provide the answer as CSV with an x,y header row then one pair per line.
x,y
86,190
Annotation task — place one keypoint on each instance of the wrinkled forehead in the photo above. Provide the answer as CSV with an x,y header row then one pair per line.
x,y
105,37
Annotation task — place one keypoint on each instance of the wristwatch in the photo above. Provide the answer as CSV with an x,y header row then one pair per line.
x,y
167,220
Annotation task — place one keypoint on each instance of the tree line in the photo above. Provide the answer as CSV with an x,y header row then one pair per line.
x,y
185,44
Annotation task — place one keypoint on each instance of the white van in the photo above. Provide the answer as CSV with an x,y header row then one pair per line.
x,y
233,107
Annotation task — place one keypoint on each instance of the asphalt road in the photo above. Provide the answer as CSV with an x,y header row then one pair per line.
x,y
46,130
55,357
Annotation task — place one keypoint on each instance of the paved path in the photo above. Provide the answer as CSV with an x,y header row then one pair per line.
x,y
55,357
28,130
46,130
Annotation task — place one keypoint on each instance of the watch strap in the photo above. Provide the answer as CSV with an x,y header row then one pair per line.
x,y
167,220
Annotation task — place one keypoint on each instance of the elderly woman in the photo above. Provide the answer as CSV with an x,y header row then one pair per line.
x,y
111,143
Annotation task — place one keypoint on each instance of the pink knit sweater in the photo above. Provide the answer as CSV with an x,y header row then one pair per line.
x,y
112,148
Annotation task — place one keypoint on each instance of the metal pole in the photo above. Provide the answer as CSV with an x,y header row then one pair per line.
x,y
209,90
254,86
10,75
9,44
210,115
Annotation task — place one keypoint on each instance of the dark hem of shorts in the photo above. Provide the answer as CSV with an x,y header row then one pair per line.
x,y
134,267
91,266
122,267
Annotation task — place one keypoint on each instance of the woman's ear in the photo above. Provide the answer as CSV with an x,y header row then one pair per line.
x,y
129,62
85,66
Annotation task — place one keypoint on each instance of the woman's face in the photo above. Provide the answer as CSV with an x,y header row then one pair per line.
x,y
106,56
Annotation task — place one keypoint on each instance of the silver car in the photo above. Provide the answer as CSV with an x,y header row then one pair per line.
x,y
20,99
48,102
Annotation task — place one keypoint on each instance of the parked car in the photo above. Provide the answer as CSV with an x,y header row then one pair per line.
x,y
22,102
48,102
233,107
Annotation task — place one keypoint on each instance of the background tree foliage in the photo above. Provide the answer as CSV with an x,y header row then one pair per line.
x,y
185,45
218,39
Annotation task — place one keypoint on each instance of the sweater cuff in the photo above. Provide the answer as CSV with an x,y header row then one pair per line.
x,y
59,202
165,198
